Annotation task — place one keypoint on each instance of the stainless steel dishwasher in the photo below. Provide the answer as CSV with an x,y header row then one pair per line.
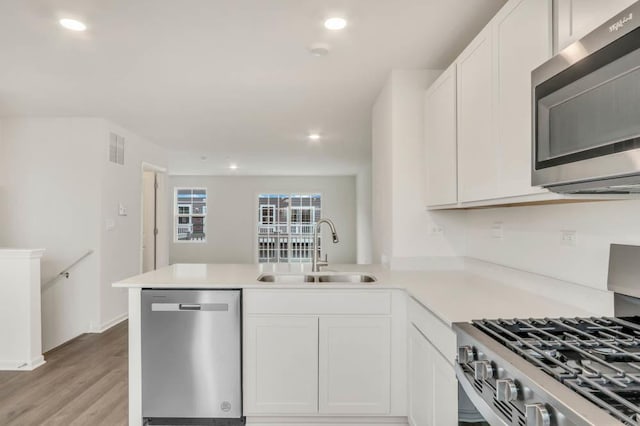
x,y
191,354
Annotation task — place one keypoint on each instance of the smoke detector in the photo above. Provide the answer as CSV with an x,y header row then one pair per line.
x,y
319,49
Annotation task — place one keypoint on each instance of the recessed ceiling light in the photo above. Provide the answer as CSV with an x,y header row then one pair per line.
x,y
335,23
233,166
314,136
73,25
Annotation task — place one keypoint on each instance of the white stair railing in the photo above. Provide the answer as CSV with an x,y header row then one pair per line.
x,y
65,272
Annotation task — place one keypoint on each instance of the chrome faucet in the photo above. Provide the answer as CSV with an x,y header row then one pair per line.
x,y
316,258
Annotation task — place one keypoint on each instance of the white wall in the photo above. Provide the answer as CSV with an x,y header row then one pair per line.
x,y
62,190
53,182
121,245
363,216
404,233
381,173
232,215
532,238
3,189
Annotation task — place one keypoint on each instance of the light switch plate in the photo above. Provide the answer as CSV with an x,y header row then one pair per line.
x,y
568,237
122,210
497,230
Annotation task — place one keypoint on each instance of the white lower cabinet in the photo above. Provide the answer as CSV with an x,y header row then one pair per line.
x,y
309,353
354,371
433,387
281,364
420,379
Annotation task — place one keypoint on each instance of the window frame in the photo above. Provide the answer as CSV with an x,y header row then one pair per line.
x,y
176,215
257,220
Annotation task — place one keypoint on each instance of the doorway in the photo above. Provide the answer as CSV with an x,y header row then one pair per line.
x,y
154,253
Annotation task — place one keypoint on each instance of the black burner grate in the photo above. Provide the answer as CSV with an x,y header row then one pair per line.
x,y
596,357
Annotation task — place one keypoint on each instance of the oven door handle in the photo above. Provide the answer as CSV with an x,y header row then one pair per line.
x,y
481,405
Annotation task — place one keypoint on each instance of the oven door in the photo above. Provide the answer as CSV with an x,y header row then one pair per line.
x,y
472,407
586,108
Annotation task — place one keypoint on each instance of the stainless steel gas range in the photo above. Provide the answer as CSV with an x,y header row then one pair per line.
x,y
559,371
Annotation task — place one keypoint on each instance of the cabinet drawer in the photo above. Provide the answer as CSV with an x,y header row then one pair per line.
x,y
439,334
317,302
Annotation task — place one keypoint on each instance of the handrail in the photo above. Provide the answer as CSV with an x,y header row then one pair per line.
x,y
65,271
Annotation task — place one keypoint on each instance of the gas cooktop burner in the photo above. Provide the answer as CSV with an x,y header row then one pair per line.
x,y
599,358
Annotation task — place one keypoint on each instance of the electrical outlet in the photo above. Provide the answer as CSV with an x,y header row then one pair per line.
x,y
436,229
497,230
568,238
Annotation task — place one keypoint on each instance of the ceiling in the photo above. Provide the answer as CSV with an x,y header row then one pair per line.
x,y
228,80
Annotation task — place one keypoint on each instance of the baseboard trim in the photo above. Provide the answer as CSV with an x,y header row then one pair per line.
x,y
21,365
325,420
107,325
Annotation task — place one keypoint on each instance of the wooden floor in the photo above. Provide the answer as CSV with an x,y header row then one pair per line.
x,y
84,382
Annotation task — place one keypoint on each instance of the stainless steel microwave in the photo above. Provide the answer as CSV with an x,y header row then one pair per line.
x,y
586,112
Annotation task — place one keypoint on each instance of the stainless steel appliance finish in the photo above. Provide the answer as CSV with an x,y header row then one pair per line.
x,y
553,372
336,277
191,354
586,103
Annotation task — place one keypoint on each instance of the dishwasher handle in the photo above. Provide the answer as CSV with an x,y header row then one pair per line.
x,y
191,307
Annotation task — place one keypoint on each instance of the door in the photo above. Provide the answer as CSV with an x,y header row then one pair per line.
x,y
478,161
281,365
355,365
149,220
155,242
576,18
191,353
420,379
440,140
522,37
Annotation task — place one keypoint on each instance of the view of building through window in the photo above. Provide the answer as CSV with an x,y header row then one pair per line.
x,y
191,213
285,227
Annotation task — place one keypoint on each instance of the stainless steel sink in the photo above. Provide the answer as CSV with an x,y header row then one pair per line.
x,y
286,278
317,278
346,278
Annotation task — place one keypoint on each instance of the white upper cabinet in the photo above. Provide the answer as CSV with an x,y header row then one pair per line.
x,y
478,161
576,18
522,35
440,139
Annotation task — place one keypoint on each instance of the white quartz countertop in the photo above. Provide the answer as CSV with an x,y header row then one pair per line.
x,y
453,296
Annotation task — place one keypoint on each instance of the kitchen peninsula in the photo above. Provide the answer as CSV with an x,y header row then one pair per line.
x,y
352,352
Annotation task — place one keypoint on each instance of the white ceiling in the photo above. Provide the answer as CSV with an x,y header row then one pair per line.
x,y
228,79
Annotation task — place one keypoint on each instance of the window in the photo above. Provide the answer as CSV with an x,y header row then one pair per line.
x,y
191,213
285,227
267,214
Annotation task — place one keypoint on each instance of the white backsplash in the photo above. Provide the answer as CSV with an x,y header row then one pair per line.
x,y
564,241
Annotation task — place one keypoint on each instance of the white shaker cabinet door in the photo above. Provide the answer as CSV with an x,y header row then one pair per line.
x,y
433,387
281,365
354,370
420,379
445,391
478,162
440,140
522,41
576,18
